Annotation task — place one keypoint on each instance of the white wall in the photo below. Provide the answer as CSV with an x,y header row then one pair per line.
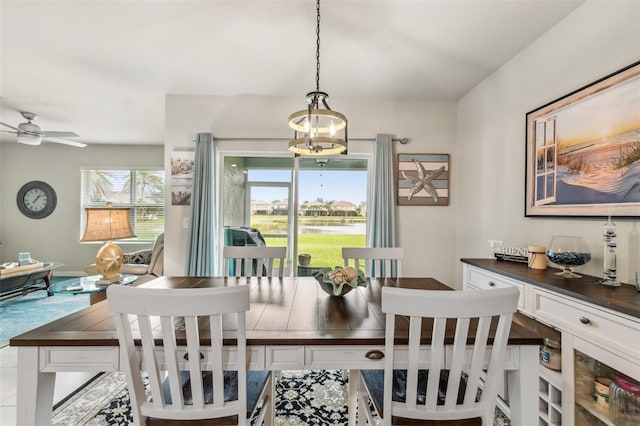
x,y
57,236
425,232
484,133
595,40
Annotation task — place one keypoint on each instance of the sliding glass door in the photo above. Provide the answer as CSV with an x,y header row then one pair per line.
x,y
326,212
331,209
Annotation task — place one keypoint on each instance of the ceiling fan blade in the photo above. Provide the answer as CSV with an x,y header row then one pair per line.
x,y
59,135
65,142
8,131
10,126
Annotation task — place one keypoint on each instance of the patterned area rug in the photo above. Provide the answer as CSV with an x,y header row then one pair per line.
x,y
303,397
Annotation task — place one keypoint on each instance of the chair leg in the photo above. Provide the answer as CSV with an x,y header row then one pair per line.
x,y
365,417
270,413
362,418
354,384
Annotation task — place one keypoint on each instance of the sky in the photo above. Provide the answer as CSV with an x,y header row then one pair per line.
x,y
601,115
330,185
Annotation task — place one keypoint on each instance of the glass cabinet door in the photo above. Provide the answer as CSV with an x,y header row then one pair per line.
x,y
604,395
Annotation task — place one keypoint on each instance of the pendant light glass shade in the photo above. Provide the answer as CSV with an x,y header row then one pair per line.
x,y
318,130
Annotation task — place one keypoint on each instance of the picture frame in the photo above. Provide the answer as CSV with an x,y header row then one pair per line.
x,y
583,151
422,179
182,163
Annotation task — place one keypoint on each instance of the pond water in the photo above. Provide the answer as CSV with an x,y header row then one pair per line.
x,y
347,228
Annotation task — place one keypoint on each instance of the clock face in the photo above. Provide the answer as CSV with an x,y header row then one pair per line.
x,y
36,199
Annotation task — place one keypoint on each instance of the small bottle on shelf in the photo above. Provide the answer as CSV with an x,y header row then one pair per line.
x,y
550,355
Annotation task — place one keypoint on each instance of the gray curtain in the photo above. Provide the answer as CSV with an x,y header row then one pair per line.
x,y
201,259
381,226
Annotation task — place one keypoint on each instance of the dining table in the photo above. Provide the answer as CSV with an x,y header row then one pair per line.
x,y
292,324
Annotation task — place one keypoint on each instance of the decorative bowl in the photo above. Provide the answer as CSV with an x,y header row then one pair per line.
x,y
339,281
568,251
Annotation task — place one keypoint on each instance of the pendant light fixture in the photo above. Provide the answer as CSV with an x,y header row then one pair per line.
x,y
318,130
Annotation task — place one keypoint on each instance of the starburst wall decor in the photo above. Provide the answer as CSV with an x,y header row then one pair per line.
x,y
422,180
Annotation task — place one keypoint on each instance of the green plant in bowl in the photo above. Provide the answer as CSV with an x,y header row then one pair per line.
x,y
340,280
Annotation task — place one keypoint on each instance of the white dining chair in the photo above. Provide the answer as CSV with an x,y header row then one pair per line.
x,y
441,382
252,261
177,347
378,262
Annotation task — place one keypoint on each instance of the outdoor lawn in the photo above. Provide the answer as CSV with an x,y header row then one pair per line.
x,y
319,237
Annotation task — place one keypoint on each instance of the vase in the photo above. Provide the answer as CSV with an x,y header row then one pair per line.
x,y
304,259
568,251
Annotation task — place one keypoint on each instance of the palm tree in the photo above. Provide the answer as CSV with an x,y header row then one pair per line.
x,y
329,206
149,185
100,185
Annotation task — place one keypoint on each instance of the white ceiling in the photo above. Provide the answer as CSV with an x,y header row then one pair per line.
x,y
102,68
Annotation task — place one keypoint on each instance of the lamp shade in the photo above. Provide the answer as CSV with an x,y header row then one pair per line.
x,y
106,224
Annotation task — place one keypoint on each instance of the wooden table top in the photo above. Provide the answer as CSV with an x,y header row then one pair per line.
x,y
625,299
287,311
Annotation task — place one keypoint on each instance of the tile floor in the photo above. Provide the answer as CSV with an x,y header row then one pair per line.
x,y
8,385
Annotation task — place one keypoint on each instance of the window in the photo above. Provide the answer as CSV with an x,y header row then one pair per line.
x,y
142,190
325,213
546,164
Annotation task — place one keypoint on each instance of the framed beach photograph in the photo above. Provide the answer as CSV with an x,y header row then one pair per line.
x,y
181,190
422,180
182,163
583,151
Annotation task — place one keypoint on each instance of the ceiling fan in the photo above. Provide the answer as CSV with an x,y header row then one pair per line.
x,y
30,134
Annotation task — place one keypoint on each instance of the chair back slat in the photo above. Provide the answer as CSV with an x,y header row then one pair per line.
x,y
178,366
173,371
436,363
216,341
457,362
252,261
193,362
377,262
452,361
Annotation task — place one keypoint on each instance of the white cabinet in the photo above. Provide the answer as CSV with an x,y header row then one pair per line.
x,y
599,340
478,279
549,397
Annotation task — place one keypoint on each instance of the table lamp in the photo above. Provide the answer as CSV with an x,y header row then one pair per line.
x,y
107,224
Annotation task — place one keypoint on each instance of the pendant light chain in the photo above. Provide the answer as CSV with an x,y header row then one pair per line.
x,y
318,46
318,130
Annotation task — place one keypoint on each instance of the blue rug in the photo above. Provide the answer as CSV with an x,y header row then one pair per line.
x,y
23,313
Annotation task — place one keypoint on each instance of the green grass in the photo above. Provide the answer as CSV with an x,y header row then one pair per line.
x,y
325,249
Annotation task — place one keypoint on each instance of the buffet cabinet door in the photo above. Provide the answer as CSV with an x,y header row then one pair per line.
x,y
606,386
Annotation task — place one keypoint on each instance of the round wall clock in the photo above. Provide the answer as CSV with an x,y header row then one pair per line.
x,y
36,199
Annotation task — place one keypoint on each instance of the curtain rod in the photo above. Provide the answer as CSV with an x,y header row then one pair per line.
x,y
401,140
